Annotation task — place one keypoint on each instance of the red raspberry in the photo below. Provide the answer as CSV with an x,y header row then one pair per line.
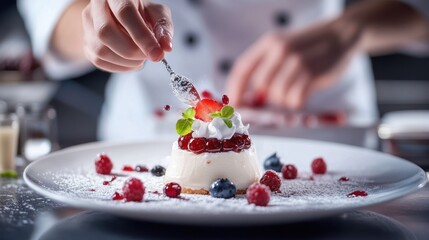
x,y
103,165
289,171
318,166
272,180
172,189
258,194
133,190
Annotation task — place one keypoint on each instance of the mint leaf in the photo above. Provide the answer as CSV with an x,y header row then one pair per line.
x,y
9,174
216,114
227,112
227,122
184,126
189,113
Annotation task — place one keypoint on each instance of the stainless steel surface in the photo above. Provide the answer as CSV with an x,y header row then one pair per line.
x,y
183,88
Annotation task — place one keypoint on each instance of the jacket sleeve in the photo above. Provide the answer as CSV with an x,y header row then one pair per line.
x,y
40,18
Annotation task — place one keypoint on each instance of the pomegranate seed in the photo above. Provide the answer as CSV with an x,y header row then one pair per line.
x,y
258,194
172,190
167,107
289,171
197,145
207,94
117,196
140,168
358,193
247,141
103,164
318,166
272,180
127,168
228,145
133,190
225,100
213,145
183,141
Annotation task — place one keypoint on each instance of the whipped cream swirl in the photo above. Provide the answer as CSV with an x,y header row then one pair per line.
x,y
218,129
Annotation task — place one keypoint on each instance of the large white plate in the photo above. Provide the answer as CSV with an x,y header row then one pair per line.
x,y
66,175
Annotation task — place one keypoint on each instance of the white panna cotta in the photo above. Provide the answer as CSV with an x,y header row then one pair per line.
x,y
196,172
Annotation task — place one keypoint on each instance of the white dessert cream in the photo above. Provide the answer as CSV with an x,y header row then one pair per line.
x,y
196,170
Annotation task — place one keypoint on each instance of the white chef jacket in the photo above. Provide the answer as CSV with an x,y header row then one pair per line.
x,y
209,35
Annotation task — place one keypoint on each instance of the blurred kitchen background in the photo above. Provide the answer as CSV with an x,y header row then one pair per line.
x,y
402,82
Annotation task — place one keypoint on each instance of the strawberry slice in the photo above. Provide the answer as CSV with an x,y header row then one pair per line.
x,y
205,107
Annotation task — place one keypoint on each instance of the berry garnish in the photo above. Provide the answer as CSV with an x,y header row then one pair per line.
x,y
158,170
225,100
172,189
140,168
213,145
272,180
222,188
197,145
117,196
207,94
159,113
258,194
318,166
183,141
289,171
167,107
358,193
206,107
103,164
273,163
133,190
127,168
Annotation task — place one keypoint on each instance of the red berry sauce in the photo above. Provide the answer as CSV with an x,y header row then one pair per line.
x,y
108,182
225,100
343,179
127,168
237,143
357,193
172,189
140,168
117,196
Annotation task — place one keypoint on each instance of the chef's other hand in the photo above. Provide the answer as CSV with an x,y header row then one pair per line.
x,y
283,69
120,35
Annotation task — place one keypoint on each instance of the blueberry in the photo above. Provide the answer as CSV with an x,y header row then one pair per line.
x,y
158,170
273,163
222,188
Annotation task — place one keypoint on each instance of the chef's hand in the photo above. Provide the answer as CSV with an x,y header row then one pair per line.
x,y
283,69
120,35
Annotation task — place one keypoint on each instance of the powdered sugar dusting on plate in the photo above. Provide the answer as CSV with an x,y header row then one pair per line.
x,y
306,192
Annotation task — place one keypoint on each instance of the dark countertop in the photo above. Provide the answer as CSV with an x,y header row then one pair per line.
x,y
26,215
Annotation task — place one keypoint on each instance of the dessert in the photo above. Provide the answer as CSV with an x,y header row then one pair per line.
x,y
213,144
